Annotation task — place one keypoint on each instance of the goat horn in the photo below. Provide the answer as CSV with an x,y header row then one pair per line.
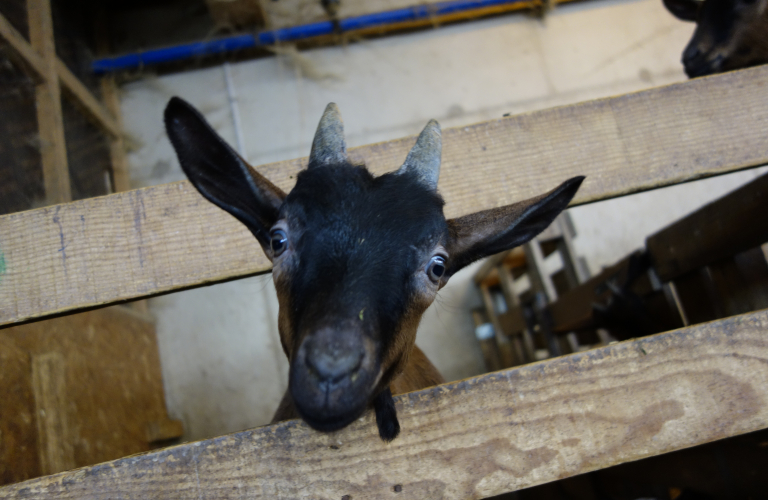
x,y
424,157
328,146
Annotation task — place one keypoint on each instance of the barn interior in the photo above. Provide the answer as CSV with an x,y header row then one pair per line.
x,y
210,361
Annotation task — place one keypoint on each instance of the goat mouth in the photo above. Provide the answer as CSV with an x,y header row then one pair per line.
x,y
702,67
330,406
331,422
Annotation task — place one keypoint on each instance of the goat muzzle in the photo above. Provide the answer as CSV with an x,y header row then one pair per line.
x,y
332,376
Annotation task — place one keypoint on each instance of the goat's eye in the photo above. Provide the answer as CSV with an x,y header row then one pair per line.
x,y
278,241
436,268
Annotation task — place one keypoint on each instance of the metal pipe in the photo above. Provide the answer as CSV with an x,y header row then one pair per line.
x,y
238,42
234,109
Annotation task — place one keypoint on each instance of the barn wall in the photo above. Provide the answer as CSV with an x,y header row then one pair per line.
x,y
222,364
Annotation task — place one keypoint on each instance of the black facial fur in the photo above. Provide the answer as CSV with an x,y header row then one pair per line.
x,y
720,18
370,234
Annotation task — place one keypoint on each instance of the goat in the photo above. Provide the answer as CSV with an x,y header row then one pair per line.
x,y
356,260
730,34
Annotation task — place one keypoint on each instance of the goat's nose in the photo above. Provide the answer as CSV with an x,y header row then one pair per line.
x,y
332,357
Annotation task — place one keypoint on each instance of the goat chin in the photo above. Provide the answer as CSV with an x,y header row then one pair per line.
x,y
329,410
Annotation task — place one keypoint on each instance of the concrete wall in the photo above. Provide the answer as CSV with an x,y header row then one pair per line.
x,y
222,362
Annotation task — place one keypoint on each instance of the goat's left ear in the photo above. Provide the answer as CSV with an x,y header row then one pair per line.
x,y
485,233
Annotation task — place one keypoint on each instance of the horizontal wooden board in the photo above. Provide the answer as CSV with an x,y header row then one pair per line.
x,y
478,437
290,13
163,238
734,223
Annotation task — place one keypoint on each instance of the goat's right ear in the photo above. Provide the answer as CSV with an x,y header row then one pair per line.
x,y
685,10
219,173
485,233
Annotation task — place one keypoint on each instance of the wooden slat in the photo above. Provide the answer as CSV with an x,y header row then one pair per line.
x,y
298,12
50,120
30,59
734,223
51,407
86,101
163,238
478,437
120,176
22,52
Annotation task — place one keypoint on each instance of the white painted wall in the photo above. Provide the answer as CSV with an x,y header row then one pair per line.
x,y
222,364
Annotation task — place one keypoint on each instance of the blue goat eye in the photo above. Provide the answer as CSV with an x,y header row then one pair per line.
x,y
278,241
436,268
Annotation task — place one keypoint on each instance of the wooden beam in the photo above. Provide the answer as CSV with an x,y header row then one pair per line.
x,y
86,101
22,52
478,437
163,238
29,58
729,225
50,120
56,451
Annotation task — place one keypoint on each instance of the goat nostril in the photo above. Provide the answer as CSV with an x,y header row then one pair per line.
x,y
691,53
332,365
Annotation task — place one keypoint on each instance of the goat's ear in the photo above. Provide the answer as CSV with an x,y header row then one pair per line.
x,y
478,235
685,10
219,173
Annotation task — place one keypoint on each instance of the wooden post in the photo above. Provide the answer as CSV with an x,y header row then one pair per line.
x,y
54,441
53,149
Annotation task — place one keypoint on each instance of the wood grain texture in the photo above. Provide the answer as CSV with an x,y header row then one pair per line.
x,y
19,459
54,436
478,437
164,238
50,120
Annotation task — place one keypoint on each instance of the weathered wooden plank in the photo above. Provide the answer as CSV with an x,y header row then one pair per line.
x,y
51,407
478,437
734,223
19,434
163,238
50,120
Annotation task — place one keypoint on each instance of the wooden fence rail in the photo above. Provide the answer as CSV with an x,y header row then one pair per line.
x,y
478,437
159,239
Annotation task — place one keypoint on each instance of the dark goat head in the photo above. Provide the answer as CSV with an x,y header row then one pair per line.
x,y
356,259
730,34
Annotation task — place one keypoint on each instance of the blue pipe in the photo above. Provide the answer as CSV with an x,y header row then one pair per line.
x,y
239,42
